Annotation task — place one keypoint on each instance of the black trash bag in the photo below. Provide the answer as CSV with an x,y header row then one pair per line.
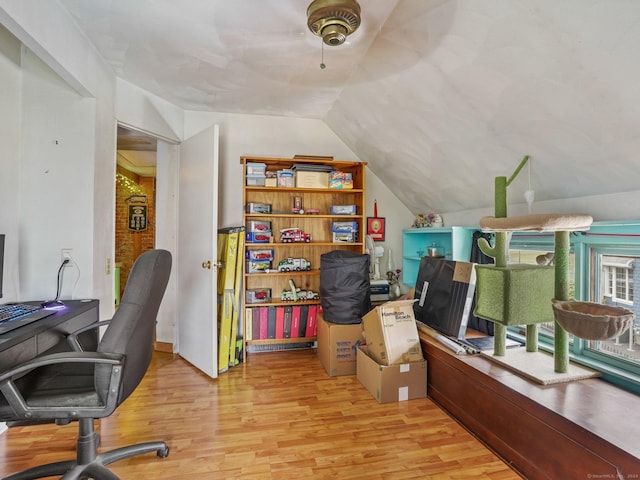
x,y
344,286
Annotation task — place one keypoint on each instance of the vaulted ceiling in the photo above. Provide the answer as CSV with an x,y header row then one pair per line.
x,y
438,96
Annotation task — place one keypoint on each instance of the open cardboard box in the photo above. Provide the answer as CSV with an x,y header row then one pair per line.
x,y
392,383
391,333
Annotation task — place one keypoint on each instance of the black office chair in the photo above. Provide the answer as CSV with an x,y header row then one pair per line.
x,y
84,386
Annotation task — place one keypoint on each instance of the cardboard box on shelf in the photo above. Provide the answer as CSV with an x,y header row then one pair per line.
x,y
258,266
344,237
258,226
391,333
312,179
337,346
258,237
258,207
391,383
259,255
340,180
258,295
271,179
348,227
343,209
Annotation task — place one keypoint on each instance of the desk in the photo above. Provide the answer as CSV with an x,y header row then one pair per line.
x,y
49,334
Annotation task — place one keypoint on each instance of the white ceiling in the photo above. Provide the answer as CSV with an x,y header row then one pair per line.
x,y
438,96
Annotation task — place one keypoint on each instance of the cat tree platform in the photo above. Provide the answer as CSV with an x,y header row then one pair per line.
x,y
543,222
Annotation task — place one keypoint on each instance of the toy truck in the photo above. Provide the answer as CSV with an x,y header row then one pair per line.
x,y
293,264
291,235
299,296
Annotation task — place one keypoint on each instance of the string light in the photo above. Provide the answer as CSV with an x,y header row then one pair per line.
x,y
128,184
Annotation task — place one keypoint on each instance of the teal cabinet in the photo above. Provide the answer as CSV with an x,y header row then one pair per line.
x,y
453,243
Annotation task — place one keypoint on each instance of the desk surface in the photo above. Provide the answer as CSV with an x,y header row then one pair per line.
x,y
48,334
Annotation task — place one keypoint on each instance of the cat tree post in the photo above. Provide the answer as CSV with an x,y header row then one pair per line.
x,y
561,337
500,251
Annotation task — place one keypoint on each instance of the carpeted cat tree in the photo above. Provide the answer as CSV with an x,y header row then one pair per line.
x,y
524,294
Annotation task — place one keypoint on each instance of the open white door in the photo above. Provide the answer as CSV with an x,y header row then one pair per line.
x,y
197,325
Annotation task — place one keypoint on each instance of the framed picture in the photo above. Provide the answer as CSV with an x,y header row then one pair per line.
x,y
137,217
375,228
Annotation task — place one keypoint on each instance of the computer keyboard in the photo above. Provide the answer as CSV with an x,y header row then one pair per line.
x,y
13,311
15,315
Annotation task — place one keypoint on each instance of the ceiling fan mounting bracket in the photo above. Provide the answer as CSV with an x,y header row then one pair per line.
x,y
333,20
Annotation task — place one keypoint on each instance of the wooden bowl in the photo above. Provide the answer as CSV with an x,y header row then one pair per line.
x,y
592,321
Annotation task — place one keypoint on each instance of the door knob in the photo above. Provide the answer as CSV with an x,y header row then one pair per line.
x,y
207,264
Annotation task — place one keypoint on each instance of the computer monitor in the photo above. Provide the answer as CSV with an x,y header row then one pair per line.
x,y
444,293
1,260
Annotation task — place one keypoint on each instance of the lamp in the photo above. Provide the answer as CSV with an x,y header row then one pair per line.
x,y
333,20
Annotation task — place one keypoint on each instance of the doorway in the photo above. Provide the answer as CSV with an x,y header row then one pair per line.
x,y
135,207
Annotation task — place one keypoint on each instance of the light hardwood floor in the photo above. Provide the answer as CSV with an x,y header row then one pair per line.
x,y
278,416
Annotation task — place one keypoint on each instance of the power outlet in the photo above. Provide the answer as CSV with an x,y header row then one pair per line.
x,y
67,253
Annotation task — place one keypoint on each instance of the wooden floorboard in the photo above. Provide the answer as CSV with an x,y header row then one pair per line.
x,y
279,416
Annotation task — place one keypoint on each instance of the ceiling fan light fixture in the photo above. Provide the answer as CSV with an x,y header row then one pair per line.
x,y
333,20
334,34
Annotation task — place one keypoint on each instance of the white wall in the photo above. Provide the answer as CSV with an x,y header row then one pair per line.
x,y
397,217
56,187
10,118
47,184
84,167
144,111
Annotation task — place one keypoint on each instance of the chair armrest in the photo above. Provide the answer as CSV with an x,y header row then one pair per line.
x,y
59,358
72,338
22,410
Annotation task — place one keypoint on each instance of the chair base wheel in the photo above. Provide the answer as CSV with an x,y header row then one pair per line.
x,y
163,453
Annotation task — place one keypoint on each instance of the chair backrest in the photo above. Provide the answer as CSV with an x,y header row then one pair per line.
x,y
132,328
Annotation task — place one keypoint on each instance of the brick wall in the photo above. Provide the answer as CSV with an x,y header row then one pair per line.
x,y
130,244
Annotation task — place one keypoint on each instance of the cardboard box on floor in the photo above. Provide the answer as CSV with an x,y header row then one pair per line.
x,y
391,333
337,346
392,383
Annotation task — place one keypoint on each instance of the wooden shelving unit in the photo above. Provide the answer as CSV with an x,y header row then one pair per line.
x,y
317,224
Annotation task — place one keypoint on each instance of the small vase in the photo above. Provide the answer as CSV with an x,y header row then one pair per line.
x,y
394,291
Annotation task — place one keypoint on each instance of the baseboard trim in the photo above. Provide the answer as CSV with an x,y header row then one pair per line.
x,y
164,347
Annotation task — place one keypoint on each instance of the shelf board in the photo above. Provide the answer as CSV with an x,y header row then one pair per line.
x,y
282,304
297,189
284,274
276,341
303,244
299,216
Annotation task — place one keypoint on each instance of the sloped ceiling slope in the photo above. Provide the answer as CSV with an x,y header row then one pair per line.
x,y
493,81
438,96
